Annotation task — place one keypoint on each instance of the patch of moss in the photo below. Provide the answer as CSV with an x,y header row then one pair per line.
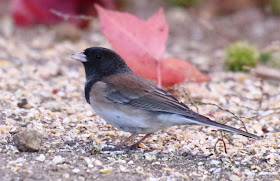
x,y
241,54
184,3
271,59
274,6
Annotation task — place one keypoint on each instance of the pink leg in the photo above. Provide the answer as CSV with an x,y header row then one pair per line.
x,y
135,145
125,141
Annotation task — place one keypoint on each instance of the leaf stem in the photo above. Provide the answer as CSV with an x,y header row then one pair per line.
x,y
158,74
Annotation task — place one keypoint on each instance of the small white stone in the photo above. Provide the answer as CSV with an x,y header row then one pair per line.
x,y
66,175
178,174
20,160
89,162
150,157
248,172
97,162
123,169
234,178
215,162
58,159
76,170
152,179
89,113
122,161
263,173
14,148
41,158
217,170
156,163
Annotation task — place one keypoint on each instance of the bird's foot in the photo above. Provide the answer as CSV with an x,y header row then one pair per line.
x,y
132,147
116,148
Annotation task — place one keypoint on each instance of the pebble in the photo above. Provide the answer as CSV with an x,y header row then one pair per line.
x,y
28,140
248,172
130,162
76,170
234,178
215,162
58,159
217,170
123,169
107,170
97,162
167,169
150,157
41,158
88,162
263,173
66,175
24,104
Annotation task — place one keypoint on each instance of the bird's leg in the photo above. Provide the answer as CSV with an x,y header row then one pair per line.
x,y
125,141
135,145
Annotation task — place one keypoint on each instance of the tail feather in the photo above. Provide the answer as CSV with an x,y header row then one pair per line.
x,y
202,120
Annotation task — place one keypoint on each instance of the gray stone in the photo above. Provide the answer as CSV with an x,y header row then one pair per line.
x,y
28,140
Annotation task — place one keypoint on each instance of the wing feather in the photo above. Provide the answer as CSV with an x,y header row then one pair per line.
x,y
142,94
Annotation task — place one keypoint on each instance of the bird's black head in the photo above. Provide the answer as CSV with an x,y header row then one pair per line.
x,y
101,62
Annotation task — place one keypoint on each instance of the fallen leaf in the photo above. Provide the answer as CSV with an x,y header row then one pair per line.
x,y
174,70
141,43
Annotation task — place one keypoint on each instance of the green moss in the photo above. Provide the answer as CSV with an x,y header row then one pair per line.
x,y
265,57
241,54
184,3
271,59
274,6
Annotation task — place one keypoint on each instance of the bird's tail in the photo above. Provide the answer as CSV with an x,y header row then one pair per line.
x,y
202,120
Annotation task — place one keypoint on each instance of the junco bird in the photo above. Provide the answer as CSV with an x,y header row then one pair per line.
x,y
130,102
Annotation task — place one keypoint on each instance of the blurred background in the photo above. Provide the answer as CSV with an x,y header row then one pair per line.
x,y
199,29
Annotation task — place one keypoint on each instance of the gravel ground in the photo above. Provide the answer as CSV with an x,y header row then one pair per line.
x,y
41,89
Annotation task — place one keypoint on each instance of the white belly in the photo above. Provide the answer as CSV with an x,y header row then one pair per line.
x,y
136,120
132,122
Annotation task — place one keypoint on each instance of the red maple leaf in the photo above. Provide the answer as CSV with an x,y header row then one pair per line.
x,y
142,44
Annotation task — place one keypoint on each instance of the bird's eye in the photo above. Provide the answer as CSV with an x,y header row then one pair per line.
x,y
98,56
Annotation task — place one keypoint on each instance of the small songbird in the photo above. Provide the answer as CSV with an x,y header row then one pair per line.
x,y
132,103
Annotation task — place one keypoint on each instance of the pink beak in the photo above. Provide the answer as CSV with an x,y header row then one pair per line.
x,y
80,57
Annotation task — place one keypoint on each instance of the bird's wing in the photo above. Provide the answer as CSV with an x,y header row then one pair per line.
x,y
138,92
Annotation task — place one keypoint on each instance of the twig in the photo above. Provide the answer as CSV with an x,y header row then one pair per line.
x,y
66,17
191,101
241,97
219,107
220,140
266,96
226,110
264,72
260,117
247,107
